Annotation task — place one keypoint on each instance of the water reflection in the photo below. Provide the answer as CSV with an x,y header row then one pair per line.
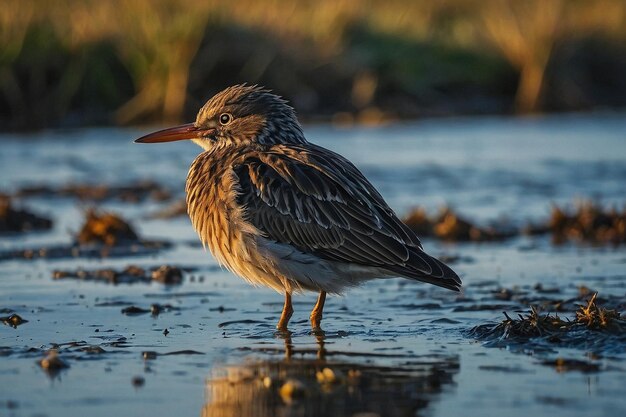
x,y
323,382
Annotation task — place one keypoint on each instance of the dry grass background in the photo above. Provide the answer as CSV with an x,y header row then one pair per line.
x,y
145,60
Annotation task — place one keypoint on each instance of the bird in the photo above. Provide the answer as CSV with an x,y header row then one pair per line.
x,y
283,212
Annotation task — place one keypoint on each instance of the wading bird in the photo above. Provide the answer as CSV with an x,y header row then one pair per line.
x,y
280,211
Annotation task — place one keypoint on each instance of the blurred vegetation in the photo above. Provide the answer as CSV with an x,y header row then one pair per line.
x,y
77,62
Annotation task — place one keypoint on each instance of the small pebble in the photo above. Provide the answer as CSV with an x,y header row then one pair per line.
x,y
138,381
155,309
53,362
11,405
94,350
133,310
167,275
149,355
13,320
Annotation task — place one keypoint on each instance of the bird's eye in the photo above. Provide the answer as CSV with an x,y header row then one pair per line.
x,y
225,118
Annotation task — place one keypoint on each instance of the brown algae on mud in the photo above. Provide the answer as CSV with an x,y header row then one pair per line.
x,y
587,222
102,235
14,220
132,274
593,328
75,251
449,226
154,310
105,228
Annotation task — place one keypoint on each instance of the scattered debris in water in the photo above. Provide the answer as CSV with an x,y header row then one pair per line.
x,y
588,222
567,365
13,320
150,354
52,363
543,299
138,381
155,309
594,328
164,274
134,311
102,235
92,350
448,225
138,248
14,220
105,228
132,193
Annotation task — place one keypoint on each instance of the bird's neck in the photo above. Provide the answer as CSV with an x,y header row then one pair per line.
x,y
208,188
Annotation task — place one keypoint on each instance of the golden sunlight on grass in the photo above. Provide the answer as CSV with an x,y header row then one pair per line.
x,y
161,44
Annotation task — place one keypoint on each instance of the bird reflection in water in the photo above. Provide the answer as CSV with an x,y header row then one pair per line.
x,y
315,382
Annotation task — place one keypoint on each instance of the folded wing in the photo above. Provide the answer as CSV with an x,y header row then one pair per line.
x,y
320,203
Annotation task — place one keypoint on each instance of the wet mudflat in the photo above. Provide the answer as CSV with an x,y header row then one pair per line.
x,y
161,330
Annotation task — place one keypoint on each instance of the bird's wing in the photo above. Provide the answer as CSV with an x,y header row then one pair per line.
x,y
320,203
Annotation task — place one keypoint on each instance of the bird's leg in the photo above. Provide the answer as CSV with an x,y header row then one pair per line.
x,y
286,314
316,314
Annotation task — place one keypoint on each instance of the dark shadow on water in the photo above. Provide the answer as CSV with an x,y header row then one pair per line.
x,y
302,382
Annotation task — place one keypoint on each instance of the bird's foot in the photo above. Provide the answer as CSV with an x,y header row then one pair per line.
x,y
318,332
283,333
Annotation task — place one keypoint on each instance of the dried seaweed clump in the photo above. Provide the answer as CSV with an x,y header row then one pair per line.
x,y
532,325
598,317
105,228
594,327
13,220
587,222
448,225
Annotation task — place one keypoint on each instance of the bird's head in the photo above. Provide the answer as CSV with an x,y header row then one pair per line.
x,y
240,115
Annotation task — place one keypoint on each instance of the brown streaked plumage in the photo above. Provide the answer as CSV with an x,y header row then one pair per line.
x,y
280,211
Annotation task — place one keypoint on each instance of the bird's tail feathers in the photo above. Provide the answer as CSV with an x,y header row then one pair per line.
x,y
425,268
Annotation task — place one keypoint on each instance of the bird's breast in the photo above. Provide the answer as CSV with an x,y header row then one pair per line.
x,y
211,204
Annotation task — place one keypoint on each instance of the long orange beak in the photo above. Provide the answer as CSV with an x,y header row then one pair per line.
x,y
182,132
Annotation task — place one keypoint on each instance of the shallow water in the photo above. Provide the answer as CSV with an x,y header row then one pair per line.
x,y
396,347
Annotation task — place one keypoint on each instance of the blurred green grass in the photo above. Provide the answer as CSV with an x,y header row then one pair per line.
x,y
72,63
